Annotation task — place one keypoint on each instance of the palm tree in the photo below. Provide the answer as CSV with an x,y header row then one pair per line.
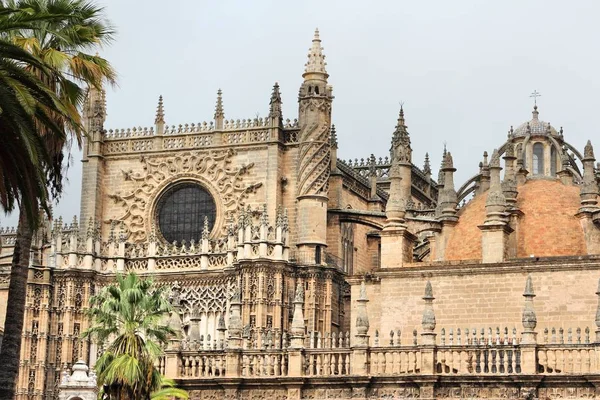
x,y
131,313
58,34
27,107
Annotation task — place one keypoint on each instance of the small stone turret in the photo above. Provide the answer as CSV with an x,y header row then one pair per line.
x,y
362,317
314,163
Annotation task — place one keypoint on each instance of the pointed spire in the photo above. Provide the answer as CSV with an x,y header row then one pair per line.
x,y
427,165
160,111
495,204
275,110
588,150
589,187
333,137
401,151
219,112
448,198
316,60
428,320
528,318
441,171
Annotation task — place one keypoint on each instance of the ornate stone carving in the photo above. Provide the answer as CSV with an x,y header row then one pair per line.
x,y
314,158
213,168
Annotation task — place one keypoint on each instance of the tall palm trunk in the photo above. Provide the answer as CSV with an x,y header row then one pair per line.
x,y
10,353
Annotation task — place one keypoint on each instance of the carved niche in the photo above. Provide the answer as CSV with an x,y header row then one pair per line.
x,y
212,169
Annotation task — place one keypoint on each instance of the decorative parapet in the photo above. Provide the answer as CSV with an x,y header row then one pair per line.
x,y
249,240
197,135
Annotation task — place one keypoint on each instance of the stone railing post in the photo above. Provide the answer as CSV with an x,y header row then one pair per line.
x,y
528,336
359,361
172,367
428,335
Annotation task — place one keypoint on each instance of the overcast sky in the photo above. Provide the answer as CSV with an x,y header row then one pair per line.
x,y
464,69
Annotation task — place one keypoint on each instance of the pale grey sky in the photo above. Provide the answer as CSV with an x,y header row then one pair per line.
x,y
464,69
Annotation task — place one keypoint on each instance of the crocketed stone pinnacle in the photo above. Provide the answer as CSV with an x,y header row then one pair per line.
x,y
219,112
160,111
316,59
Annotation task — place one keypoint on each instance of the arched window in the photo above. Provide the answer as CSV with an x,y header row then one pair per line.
x,y
347,247
181,212
538,159
552,161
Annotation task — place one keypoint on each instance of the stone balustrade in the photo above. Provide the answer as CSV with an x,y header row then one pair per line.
x,y
248,240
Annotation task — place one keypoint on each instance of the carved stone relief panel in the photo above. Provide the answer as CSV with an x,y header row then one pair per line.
x,y
213,169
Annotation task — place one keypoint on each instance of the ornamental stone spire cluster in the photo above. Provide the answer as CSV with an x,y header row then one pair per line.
x,y
316,59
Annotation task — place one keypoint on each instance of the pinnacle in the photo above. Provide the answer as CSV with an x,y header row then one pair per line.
x,y
333,137
316,60
529,288
160,111
219,113
427,165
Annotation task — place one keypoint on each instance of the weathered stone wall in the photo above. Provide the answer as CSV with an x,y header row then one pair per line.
x,y
482,296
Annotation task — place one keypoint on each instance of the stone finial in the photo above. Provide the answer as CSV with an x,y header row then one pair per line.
x,y
74,224
428,320
529,318
160,112
298,319
362,317
205,229
275,110
372,161
219,111
122,233
264,216
588,151
441,172
495,204
495,160
427,165
90,232
589,187
316,59
448,198
401,151
333,137
299,297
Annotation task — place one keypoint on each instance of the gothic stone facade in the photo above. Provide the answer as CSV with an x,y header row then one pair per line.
x,y
295,274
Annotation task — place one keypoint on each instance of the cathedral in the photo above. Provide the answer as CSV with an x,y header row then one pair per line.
x,y
294,274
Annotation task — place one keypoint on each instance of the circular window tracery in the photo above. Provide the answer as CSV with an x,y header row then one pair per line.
x,y
181,211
